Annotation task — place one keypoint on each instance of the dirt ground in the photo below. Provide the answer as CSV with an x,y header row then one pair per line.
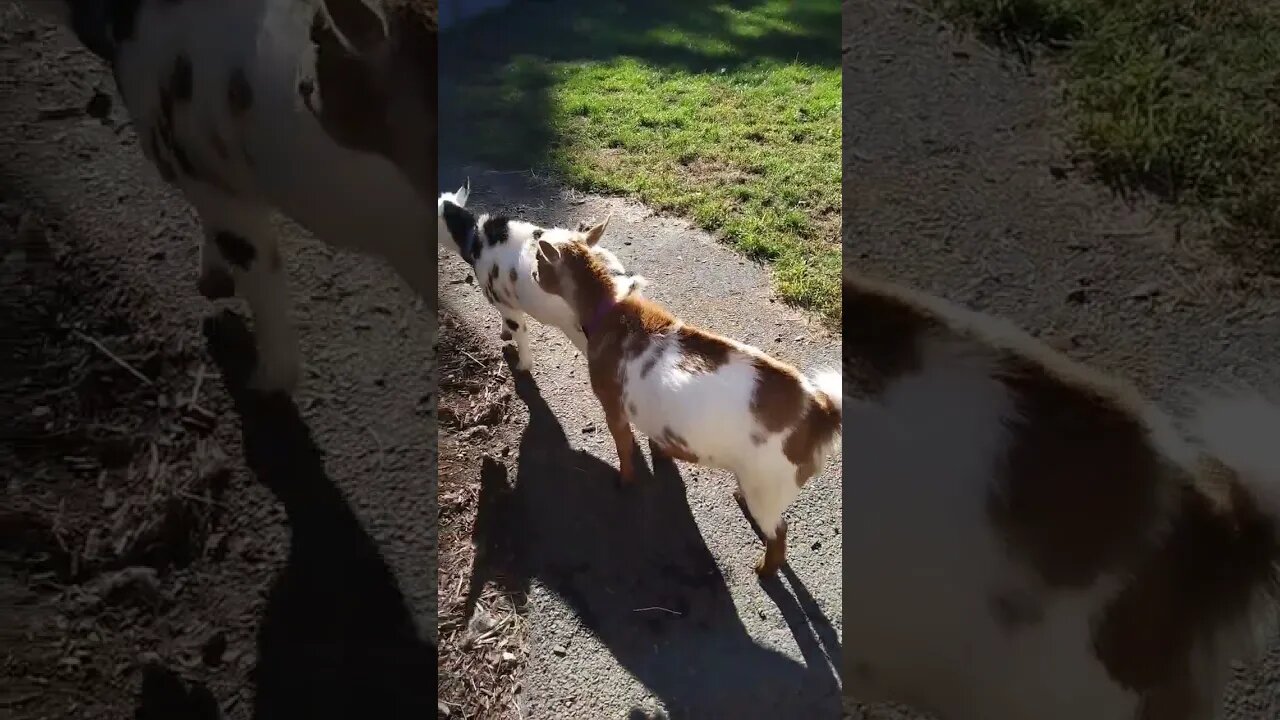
x,y
958,179
170,544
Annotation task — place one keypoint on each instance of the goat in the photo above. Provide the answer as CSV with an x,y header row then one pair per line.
x,y
323,110
1025,537
699,397
501,252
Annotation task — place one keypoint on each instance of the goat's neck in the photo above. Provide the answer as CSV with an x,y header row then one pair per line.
x,y
591,294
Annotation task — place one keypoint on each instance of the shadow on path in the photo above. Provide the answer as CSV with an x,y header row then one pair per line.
x,y
337,639
632,565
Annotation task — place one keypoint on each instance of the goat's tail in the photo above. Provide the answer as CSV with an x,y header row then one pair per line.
x,y
829,383
1242,431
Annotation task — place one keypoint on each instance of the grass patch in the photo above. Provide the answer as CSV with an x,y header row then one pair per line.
x,y
727,113
1179,97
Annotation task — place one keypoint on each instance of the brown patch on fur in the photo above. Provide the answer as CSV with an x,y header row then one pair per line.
x,y
881,332
379,94
814,431
1217,556
1080,486
649,364
778,398
673,445
701,352
353,103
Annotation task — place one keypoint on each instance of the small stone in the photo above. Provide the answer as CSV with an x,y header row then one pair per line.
x,y
816,544
1145,291
560,650
1079,296
443,709
40,411
109,500
588,429
508,657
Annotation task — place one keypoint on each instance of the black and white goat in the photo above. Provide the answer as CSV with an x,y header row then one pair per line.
x,y
503,254
323,110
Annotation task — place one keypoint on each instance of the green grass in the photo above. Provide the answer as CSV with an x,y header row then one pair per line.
x,y
725,113
1180,97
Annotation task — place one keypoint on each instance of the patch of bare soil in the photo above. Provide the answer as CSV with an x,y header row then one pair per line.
x,y
114,519
482,626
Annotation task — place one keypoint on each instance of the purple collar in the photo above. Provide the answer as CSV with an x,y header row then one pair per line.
x,y
603,309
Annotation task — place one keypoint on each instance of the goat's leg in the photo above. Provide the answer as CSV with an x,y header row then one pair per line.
x,y
578,338
515,328
242,236
215,282
765,500
620,428
610,396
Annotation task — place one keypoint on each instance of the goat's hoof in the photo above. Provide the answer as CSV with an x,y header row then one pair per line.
x,y
767,566
216,284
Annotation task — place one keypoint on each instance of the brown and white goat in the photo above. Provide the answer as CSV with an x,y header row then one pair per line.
x,y
324,110
699,397
1027,538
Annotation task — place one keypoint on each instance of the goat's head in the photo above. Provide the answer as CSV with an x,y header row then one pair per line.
x,y
375,81
456,201
583,273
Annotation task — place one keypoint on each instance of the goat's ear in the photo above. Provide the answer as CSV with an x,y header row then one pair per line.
x,y
463,193
548,252
458,219
596,232
548,260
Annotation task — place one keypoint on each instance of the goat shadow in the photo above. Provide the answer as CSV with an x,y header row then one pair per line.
x,y
632,565
337,639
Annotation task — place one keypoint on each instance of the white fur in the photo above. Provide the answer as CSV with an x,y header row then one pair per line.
x,y
281,159
922,562
712,413
525,296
